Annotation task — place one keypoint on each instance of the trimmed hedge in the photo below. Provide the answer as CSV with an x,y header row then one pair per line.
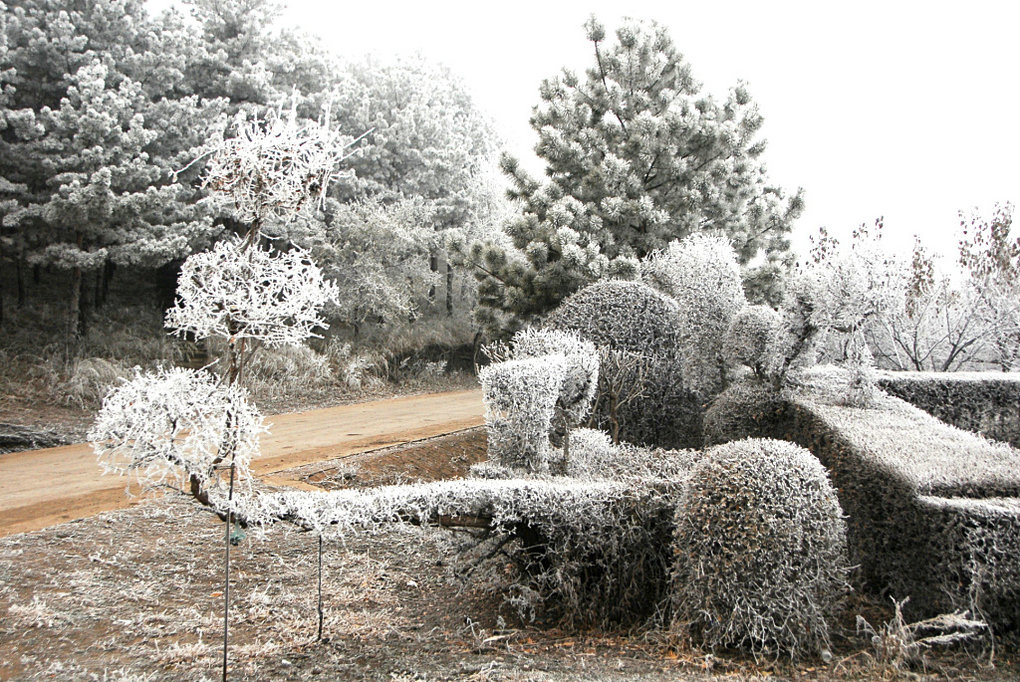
x,y
931,509
983,402
631,317
759,550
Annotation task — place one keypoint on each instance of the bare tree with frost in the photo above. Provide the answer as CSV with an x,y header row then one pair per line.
x,y
239,292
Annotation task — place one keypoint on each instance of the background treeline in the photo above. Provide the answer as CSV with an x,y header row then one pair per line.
x,y
106,111
103,111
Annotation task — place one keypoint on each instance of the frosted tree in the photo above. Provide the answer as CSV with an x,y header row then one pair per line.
x,y
838,297
238,292
431,143
940,327
990,254
96,122
636,156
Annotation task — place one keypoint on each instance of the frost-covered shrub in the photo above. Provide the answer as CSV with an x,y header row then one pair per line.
x,y
175,424
520,399
89,380
623,315
759,550
591,453
581,373
805,319
286,370
748,408
750,335
701,273
237,292
637,331
594,456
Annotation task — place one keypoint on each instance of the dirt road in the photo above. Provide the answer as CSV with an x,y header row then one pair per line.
x,y
41,488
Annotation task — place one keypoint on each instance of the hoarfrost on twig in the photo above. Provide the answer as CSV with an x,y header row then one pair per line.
x,y
238,292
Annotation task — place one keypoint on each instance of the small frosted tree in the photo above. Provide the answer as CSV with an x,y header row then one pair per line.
x,y
238,292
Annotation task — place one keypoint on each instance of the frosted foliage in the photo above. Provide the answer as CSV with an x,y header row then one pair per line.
x,y
751,333
274,167
702,274
581,375
623,315
167,425
759,550
238,292
594,456
520,399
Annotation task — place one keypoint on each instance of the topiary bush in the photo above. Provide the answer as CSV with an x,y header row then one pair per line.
x,y
638,332
759,550
701,274
623,315
748,408
520,400
751,334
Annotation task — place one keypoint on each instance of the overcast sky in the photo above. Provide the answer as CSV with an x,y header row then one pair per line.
x,y
907,110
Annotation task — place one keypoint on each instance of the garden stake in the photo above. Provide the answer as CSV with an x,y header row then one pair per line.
x,y
320,588
226,574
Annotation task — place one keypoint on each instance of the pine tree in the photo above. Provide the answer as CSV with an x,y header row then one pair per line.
x,y
635,157
89,152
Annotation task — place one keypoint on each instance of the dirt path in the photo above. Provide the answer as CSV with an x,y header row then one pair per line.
x,y
41,488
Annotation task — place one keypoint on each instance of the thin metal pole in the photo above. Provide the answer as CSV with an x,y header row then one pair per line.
x,y
226,575
320,588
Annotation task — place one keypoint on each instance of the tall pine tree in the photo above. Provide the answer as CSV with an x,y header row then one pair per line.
x,y
635,157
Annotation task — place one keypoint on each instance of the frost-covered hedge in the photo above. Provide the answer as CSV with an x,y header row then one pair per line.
x,y
520,399
590,550
982,402
759,550
746,409
932,510
638,322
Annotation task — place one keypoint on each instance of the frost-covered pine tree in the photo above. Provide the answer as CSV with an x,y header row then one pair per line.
x,y
636,156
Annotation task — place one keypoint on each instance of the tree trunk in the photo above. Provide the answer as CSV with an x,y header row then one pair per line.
x,y
449,288
73,312
19,271
434,267
103,278
85,305
36,274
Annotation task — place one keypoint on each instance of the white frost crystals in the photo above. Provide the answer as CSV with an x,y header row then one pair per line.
x,y
174,423
238,292
274,167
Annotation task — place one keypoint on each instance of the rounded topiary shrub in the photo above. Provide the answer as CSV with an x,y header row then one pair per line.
x,y
759,551
623,315
748,408
639,335
751,335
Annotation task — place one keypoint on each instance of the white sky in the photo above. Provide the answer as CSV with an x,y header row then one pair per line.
x,y
902,109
